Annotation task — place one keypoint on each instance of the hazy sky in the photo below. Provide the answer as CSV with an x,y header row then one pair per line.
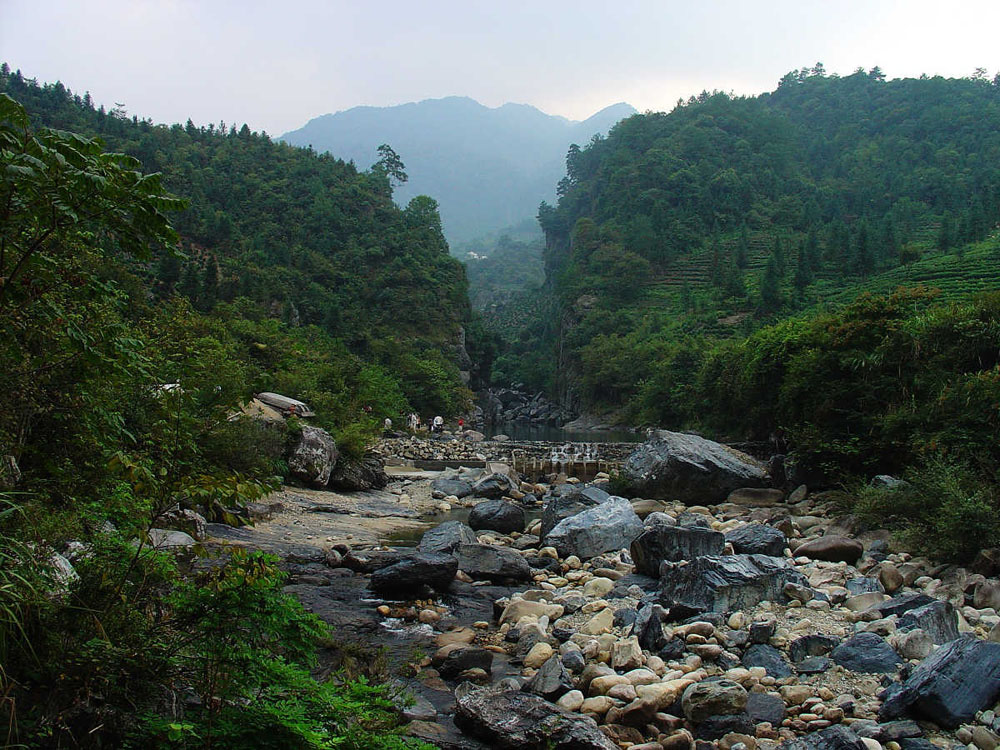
x,y
274,65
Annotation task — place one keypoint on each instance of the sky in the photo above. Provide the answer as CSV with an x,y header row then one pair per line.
x,y
275,65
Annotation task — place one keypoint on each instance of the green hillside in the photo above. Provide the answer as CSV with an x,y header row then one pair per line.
x,y
287,234
730,213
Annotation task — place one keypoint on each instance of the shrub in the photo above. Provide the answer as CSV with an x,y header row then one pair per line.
x,y
946,509
247,446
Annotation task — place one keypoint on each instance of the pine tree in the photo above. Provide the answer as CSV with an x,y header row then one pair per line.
x,y
812,250
189,285
716,271
168,271
978,224
889,244
803,271
743,247
770,286
779,255
209,285
863,262
732,279
946,234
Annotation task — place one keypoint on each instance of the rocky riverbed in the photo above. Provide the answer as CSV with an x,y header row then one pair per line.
x,y
714,611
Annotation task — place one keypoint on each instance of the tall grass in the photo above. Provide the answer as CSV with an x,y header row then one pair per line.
x,y
22,590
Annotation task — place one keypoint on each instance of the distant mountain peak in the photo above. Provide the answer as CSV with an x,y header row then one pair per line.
x,y
488,167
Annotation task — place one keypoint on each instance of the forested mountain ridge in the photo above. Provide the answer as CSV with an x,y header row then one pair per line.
x,y
488,167
303,238
729,212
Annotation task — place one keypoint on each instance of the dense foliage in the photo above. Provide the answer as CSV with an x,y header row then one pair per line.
x,y
278,232
886,382
119,407
730,212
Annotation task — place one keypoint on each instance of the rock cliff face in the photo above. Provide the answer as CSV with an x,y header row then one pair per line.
x,y
501,405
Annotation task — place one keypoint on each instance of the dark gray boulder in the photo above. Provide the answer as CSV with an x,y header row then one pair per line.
x,y
717,727
461,659
768,657
757,539
903,729
568,501
725,583
813,665
675,466
368,561
355,475
607,527
766,707
866,652
899,605
314,457
688,520
950,685
832,549
761,631
497,515
485,561
938,619
814,644
674,543
412,574
551,680
515,720
837,737
446,537
864,585
648,627
456,487
574,661
493,486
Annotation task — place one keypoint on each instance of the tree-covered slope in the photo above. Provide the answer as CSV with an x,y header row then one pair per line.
x,y
305,238
729,212
488,167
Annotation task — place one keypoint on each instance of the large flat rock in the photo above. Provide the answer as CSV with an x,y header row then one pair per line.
x,y
674,543
607,527
725,583
691,469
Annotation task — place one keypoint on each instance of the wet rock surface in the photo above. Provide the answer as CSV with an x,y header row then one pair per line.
x,y
484,561
414,574
446,537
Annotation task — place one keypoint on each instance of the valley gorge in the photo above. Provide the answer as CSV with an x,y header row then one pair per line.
x,y
698,454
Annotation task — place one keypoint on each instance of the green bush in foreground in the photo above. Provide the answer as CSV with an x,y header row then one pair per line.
x,y
133,654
